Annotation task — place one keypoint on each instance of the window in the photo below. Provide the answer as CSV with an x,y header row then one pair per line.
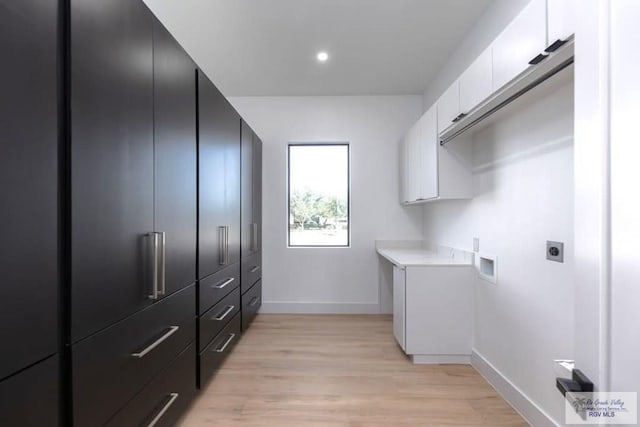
x,y
318,195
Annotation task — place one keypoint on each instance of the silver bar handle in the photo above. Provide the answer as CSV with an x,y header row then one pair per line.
x,y
143,353
154,267
221,316
221,236
254,269
226,251
163,265
254,301
226,343
223,284
254,237
165,408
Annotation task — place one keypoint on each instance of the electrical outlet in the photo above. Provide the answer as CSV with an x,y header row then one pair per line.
x,y
555,251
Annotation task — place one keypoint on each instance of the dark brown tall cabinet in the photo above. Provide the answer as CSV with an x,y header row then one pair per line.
x,y
123,180
218,227
29,217
133,213
219,180
251,220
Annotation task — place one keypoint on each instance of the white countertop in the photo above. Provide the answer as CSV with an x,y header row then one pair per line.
x,y
414,257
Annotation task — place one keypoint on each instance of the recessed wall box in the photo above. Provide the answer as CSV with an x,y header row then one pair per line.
x,y
487,266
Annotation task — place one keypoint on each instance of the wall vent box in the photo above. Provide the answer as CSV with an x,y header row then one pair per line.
x,y
487,266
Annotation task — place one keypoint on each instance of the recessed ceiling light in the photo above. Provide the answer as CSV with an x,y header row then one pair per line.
x,y
322,56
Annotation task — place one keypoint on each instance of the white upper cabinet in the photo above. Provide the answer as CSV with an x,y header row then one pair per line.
x,y
413,163
404,171
428,155
415,166
432,172
561,19
448,106
476,82
523,39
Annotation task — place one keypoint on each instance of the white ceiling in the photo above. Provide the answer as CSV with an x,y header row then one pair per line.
x,y
268,47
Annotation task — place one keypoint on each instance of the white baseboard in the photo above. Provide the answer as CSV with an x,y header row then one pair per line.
x,y
528,409
319,308
439,359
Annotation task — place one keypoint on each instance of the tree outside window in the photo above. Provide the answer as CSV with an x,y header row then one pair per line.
x,y
319,195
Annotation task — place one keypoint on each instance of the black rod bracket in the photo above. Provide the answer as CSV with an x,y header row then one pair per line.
x,y
579,383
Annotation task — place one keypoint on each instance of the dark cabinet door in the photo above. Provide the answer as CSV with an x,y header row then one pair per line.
x,y
218,180
112,160
247,229
175,157
30,398
29,183
232,181
257,193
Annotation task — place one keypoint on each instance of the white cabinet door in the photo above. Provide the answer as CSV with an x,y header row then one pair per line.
x,y
475,82
413,153
429,155
399,318
439,310
523,39
448,106
561,19
404,170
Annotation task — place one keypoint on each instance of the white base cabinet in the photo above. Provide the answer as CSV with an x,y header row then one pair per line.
x,y
433,313
399,302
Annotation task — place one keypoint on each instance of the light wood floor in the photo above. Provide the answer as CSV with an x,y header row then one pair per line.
x,y
340,370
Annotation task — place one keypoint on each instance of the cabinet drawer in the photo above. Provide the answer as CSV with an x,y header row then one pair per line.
x,y
251,302
214,287
30,398
110,367
165,398
212,322
211,357
251,271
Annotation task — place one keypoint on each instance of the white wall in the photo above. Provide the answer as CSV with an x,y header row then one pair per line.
x,y
332,279
523,187
592,225
491,23
625,198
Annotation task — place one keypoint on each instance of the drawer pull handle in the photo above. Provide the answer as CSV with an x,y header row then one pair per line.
x,y
254,269
221,316
165,408
254,301
143,353
226,343
224,284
